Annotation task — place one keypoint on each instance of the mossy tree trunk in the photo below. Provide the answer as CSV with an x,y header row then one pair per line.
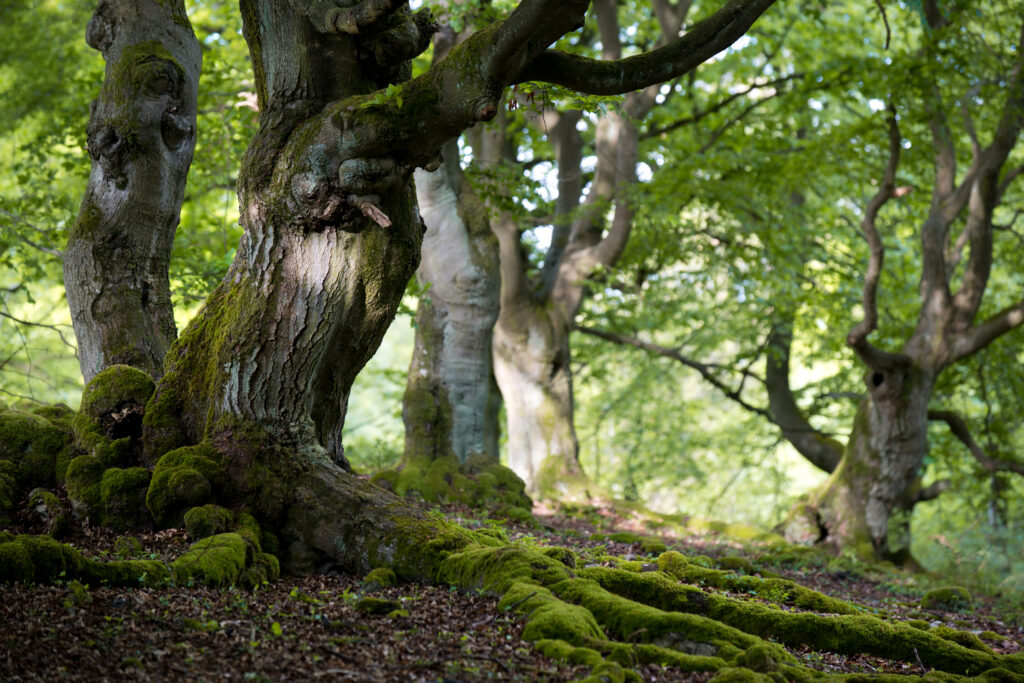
x,y
142,133
882,463
248,410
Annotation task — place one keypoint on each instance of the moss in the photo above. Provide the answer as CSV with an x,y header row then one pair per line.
x,y
123,496
127,546
114,388
549,618
84,475
736,675
736,564
563,555
46,508
776,590
633,621
15,563
181,481
479,482
207,520
562,651
217,561
370,605
496,568
948,598
30,443
965,638
919,624
381,577
991,636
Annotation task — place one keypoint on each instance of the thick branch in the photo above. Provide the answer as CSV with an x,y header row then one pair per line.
x,y
702,42
981,335
821,450
958,426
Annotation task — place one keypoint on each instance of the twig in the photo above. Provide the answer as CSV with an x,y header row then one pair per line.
x,y
885,20
919,662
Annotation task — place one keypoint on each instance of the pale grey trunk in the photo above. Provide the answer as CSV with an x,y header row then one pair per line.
x,y
531,365
449,398
142,133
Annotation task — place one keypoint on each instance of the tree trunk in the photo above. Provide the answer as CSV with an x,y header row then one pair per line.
x,y
449,397
882,462
142,133
531,364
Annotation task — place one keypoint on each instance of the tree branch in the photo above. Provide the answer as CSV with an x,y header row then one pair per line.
x,y
822,451
857,338
979,336
683,54
958,426
703,369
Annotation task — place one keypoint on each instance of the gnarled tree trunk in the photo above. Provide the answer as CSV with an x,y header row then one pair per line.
x,y
142,133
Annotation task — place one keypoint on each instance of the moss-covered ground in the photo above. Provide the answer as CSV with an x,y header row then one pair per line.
x,y
585,595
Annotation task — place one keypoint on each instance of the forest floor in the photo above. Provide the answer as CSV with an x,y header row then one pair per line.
x,y
308,628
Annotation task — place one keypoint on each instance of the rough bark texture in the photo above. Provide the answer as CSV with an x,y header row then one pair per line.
x,y
142,133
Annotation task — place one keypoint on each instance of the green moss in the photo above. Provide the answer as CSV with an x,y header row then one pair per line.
x,y
549,618
114,388
381,577
127,546
919,624
562,651
736,564
496,568
965,638
217,561
84,475
207,520
31,444
478,482
948,598
123,497
181,481
775,590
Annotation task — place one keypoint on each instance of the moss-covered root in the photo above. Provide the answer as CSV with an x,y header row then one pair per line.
x,y
34,452
227,559
41,559
479,482
774,590
844,634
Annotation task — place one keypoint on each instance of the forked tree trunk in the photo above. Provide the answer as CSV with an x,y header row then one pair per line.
x,y
142,133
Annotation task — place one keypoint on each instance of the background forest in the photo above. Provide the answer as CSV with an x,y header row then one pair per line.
x,y
750,190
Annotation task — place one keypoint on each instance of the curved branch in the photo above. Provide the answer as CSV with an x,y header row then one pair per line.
x,y
857,338
598,77
958,426
981,335
820,449
702,368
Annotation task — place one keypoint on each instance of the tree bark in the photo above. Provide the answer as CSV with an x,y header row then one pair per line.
x,y
142,133
449,397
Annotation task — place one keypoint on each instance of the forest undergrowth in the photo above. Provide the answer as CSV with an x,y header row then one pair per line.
x,y
334,626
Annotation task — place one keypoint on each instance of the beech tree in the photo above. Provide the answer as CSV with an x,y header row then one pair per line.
x,y
253,392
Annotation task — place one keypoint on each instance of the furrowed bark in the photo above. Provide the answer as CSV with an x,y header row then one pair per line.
x,y
142,133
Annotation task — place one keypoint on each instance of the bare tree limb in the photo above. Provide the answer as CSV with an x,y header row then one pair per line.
x,y
981,335
683,54
703,369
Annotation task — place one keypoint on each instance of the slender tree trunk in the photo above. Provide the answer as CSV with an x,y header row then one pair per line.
x,y
142,133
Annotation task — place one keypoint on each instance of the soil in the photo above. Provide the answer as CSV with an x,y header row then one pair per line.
x,y
307,628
